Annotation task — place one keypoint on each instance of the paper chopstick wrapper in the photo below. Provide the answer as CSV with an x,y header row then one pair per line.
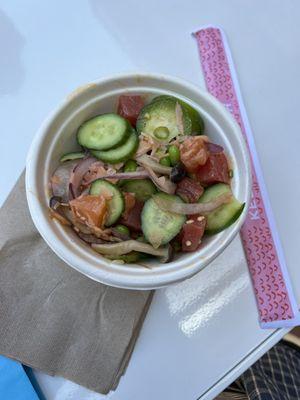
x,y
273,290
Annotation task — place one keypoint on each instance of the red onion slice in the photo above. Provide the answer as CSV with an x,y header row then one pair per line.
x,y
126,175
61,178
214,148
77,174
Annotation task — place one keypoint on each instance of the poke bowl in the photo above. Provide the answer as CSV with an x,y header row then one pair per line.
x,y
138,180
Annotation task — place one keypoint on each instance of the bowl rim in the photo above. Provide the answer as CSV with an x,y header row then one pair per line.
x,y
69,256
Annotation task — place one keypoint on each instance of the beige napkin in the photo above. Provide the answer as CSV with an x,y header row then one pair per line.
x,y
55,319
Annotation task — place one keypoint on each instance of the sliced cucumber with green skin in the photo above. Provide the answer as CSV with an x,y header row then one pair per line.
x,y
161,113
72,156
223,216
142,188
197,122
159,227
121,153
116,204
103,132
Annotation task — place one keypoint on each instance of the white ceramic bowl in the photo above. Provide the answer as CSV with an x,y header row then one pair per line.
x,y
57,136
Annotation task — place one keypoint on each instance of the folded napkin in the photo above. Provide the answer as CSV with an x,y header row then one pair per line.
x,y
55,319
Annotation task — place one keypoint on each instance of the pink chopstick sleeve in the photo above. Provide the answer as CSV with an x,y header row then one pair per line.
x,y
273,291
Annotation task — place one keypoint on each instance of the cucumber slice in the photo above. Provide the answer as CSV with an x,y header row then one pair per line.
x,y
72,156
131,257
103,132
159,227
161,113
115,205
223,216
142,188
121,153
197,122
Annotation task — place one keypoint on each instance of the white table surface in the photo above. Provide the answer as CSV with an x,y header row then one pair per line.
x,y
201,334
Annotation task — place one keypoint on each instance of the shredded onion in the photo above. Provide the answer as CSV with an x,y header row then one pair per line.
x,y
96,170
193,208
118,234
55,202
145,145
127,175
163,183
125,247
59,217
118,176
147,161
179,118
89,238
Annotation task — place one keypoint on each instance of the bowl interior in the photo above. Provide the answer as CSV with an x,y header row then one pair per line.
x,y
58,136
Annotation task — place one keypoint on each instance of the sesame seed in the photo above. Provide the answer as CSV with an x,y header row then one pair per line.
x,y
201,218
190,221
188,243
